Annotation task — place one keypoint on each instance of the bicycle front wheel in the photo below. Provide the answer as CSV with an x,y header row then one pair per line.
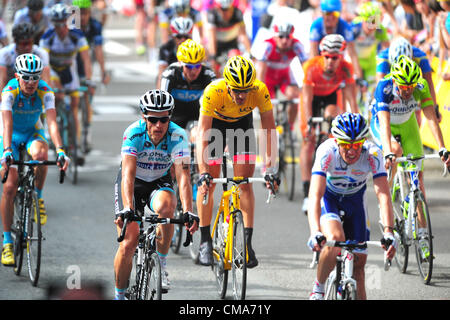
x,y
151,279
290,162
218,265
239,258
33,240
177,237
17,232
424,244
402,254
350,291
331,285
194,247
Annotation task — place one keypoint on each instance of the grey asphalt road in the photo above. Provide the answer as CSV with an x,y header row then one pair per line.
x,y
81,238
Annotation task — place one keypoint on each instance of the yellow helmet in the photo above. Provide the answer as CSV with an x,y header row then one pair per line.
x,y
190,52
239,73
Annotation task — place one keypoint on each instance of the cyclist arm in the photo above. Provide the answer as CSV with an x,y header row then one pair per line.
x,y
128,176
354,59
100,57
87,66
183,174
261,68
268,124
7,120
384,118
54,132
314,49
316,192
350,94
433,123
212,39
204,124
428,76
244,38
307,95
382,192
46,74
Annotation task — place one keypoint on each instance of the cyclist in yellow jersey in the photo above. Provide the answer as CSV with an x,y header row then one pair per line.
x,y
226,119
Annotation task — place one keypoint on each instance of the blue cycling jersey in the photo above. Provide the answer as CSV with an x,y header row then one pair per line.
x,y
420,57
26,111
154,162
317,31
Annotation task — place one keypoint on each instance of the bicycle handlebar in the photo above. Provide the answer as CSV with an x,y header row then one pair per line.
x,y
32,163
426,156
237,181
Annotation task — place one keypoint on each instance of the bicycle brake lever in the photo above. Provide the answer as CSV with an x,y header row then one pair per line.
x,y
188,240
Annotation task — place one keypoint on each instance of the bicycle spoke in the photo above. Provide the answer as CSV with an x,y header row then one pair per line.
x,y
34,241
239,258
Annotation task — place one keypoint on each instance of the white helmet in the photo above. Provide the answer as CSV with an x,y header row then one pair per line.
x,y
156,101
400,46
333,43
225,4
29,64
181,25
60,11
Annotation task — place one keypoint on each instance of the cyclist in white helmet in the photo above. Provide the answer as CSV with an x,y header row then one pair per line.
x,y
24,98
150,146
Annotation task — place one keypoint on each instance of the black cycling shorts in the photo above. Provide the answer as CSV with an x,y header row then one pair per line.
x,y
239,136
319,103
144,192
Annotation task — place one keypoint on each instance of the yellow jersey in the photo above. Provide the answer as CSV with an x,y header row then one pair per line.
x,y
217,102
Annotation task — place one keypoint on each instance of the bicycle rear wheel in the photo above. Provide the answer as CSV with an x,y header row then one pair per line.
x,y
239,258
72,148
177,237
424,257
33,240
151,279
218,266
290,161
402,254
194,247
17,231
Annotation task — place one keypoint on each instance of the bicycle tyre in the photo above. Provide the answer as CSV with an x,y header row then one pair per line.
x,y
72,148
402,254
84,125
177,237
290,162
350,292
17,231
151,286
331,287
34,241
239,258
425,264
132,291
218,265
194,247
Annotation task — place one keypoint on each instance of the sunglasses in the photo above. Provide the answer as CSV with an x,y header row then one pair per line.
x,y
59,24
26,77
239,91
334,58
284,36
350,145
332,13
192,66
154,120
182,36
406,87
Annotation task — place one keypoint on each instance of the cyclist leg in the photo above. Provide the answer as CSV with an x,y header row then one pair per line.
x,y
291,90
7,202
123,260
37,147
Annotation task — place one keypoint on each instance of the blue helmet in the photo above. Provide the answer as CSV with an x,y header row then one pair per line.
x,y
350,126
330,5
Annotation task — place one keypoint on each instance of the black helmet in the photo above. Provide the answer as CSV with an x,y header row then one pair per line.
x,y
35,5
23,31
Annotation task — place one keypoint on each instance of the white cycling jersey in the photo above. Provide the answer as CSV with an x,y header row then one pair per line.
x,y
344,179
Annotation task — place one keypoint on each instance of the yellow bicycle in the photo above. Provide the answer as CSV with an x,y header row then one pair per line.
x,y
229,242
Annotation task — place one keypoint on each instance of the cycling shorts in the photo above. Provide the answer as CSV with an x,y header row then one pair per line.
x,y
319,104
24,137
279,79
239,136
144,192
68,78
355,220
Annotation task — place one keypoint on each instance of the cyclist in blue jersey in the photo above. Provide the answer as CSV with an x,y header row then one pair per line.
x,y
332,23
24,98
339,181
150,147
401,46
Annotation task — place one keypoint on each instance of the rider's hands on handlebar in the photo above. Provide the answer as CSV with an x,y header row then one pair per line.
x,y
192,221
315,241
7,158
389,244
389,159
444,154
62,159
272,179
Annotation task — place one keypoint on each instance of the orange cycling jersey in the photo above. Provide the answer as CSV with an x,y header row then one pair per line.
x,y
324,84
217,102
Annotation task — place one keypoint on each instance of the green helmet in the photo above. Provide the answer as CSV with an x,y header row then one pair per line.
x,y
82,4
405,71
368,9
